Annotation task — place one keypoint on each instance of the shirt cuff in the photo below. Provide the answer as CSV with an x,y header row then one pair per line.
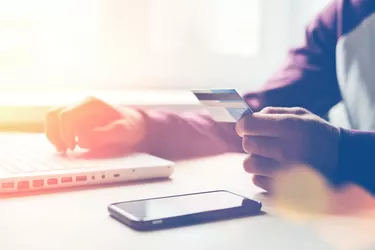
x,y
356,159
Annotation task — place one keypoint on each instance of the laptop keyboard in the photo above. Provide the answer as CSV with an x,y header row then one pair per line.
x,y
26,165
18,156
15,164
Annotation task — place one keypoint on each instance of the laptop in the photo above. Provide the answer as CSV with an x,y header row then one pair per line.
x,y
29,163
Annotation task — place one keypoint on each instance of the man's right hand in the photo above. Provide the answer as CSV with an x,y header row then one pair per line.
x,y
94,124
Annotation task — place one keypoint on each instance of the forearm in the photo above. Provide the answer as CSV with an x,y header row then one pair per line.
x,y
181,136
357,158
304,81
316,92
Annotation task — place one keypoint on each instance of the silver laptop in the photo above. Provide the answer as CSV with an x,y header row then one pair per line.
x,y
28,162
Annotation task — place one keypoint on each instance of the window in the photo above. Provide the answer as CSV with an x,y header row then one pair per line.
x,y
228,27
49,44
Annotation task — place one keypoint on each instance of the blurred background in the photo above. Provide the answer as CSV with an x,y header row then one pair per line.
x,y
124,44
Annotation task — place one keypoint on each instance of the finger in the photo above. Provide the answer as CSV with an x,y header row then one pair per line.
x,y
283,110
268,147
262,166
272,125
263,182
52,129
67,128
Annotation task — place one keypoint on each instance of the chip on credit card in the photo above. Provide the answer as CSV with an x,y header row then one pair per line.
x,y
224,105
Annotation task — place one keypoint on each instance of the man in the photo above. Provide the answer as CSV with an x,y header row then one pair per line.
x,y
335,63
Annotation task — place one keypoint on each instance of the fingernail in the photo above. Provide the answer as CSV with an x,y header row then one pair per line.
x,y
239,127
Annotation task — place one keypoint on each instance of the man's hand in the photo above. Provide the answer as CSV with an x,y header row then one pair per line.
x,y
278,137
93,124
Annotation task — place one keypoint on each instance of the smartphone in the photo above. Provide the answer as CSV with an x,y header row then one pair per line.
x,y
181,210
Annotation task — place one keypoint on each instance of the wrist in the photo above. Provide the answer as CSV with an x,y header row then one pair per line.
x,y
344,171
134,127
144,130
338,174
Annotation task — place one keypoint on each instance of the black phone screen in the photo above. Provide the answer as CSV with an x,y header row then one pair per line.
x,y
166,207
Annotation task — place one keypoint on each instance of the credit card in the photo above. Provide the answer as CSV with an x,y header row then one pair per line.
x,y
224,105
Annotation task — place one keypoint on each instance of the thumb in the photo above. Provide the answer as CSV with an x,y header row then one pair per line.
x,y
121,132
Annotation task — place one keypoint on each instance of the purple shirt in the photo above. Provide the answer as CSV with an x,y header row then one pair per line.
x,y
311,78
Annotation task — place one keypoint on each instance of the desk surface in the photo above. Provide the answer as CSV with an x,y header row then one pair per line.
x,y
77,220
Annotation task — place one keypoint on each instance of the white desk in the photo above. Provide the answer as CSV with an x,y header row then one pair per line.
x,y
79,220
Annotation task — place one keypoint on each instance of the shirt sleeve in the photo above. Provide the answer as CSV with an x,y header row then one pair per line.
x,y
308,77
181,136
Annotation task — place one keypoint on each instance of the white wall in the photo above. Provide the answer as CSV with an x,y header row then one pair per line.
x,y
109,45
303,11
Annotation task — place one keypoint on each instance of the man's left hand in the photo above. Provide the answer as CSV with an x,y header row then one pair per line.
x,y
276,137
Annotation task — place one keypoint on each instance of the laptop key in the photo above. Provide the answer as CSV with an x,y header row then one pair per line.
x,y
4,171
39,166
21,165
54,166
9,168
25,167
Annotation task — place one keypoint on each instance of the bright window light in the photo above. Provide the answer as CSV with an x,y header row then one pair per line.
x,y
219,26
124,43
44,41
